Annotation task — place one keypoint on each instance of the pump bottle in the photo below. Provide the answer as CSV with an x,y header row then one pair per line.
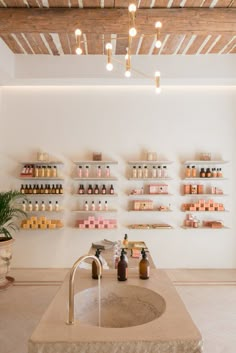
x,y
144,266
94,265
122,268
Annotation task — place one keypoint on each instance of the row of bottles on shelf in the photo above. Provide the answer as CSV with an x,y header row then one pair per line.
x,y
98,172
95,190
193,172
152,172
38,171
195,189
193,222
29,207
94,207
42,189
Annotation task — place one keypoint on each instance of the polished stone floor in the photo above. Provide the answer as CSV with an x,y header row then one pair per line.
x,y
210,297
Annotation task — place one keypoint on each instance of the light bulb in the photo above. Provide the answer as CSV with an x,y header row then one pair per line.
x,y
158,24
158,44
132,8
109,66
127,73
78,32
126,56
158,90
132,32
108,46
157,74
78,51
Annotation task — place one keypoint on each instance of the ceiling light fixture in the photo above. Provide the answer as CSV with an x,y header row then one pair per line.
x,y
78,34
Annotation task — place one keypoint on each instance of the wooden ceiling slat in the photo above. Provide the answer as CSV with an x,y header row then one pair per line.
x,y
134,45
12,44
194,47
33,43
58,3
161,3
176,3
208,44
233,51
72,42
109,3
74,3
33,3
116,20
193,3
65,43
121,45
94,44
24,43
91,3
121,3
184,44
145,45
41,44
223,3
51,43
229,46
145,3
172,44
220,44
207,3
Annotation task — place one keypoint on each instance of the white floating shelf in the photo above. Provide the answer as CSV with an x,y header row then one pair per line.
x,y
205,179
149,179
95,195
200,228
43,195
205,211
97,229
95,178
150,227
149,162
40,178
41,212
145,211
94,162
151,195
95,211
211,162
43,163
202,195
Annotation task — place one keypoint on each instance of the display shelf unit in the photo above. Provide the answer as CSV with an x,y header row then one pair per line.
x,y
146,195
225,211
143,162
94,195
96,229
149,226
211,162
95,211
41,178
205,228
146,211
150,179
95,179
203,195
45,212
42,163
43,195
88,162
204,179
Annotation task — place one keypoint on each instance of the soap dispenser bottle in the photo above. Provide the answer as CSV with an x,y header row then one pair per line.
x,y
122,268
94,265
144,266
125,241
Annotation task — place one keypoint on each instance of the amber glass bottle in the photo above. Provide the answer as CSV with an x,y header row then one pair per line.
x,y
144,266
122,269
94,265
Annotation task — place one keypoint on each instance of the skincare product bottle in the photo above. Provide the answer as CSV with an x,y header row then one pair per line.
x,y
80,173
22,189
122,269
99,206
86,172
108,174
99,171
104,191
111,190
86,206
36,206
57,208
23,206
188,172
202,173
134,172
96,189
140,172
145,172
54,172
30,207
159,172
154,172
94,265
50,206
164,172
106,206
194,172
42,206
125,241
90,189
92,206
144,266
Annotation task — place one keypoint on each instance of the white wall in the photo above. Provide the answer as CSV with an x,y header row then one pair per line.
x,y
121,122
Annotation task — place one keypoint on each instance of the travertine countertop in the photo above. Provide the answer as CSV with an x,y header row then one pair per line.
x,y
174,331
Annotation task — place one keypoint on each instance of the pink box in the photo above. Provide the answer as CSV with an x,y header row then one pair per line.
x,y
86,222
82,226
100,226
192,208
91,218
91,226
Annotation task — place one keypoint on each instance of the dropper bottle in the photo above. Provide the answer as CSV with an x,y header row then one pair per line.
x,y
94,265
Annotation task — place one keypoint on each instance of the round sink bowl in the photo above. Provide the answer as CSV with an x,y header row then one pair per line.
x,y
121,305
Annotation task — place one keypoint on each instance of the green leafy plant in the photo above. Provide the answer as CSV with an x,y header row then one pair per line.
x,y
10,213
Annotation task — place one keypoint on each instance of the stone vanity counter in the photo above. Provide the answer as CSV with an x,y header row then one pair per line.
x,y
172,332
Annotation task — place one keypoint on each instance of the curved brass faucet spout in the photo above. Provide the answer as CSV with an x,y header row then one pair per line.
x,y
71,283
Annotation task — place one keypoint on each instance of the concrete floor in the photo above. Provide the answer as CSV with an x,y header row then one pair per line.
x,y
209,297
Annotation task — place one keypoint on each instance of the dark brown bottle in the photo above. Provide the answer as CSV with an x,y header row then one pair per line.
x,y
144,266
22,189
95,266
122,268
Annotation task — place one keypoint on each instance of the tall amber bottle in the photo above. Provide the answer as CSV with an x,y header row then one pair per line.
x,y
144,267
94,265
122,269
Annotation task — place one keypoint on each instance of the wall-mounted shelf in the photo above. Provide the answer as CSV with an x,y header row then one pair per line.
x,y
150,179
203,195
205,179
150,195
149,226
95,211
42,212
211,162
95,195
95,179
145,211
149,162
205,228
205,211
41,178
94,162
43,163
97,229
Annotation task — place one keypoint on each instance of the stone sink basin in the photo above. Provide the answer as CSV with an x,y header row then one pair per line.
x,y
120,306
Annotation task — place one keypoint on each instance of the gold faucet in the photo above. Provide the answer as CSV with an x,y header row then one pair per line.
x,y
71,283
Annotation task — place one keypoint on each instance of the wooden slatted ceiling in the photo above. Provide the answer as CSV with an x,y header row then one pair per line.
x,y
189,43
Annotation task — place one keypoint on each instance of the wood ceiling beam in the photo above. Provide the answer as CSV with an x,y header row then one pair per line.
x,y
102,21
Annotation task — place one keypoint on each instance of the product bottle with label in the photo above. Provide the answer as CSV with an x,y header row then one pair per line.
x,y
96,190
188,172
134,172
144,266
154,172
194,171
36,206
86,207
30,206
94,265
126,241
43,206
122,269
50,206
111,190
145,172
23,206
92,206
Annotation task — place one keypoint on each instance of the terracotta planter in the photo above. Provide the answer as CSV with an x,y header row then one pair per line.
x,y
5,260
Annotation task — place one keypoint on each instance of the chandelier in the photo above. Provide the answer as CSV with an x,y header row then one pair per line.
x,y
132,33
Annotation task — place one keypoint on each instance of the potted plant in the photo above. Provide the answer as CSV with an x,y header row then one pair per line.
x,y
10,213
